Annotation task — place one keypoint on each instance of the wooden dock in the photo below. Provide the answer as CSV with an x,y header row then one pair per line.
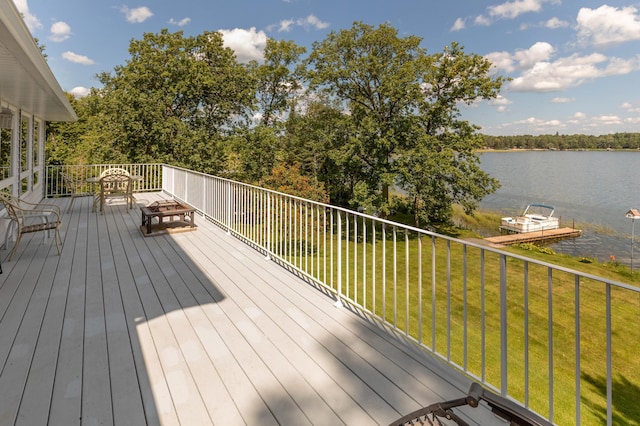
x,y
527,237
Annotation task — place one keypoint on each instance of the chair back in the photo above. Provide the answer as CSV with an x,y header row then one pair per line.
x,y
71,182
114,171
12,207
115,184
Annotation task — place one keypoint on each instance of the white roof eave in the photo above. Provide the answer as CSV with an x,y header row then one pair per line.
x,y
26,81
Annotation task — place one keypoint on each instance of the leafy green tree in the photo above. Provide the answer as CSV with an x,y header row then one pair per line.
x,y
84,141
289,179
439,165
277,79
176,99
255,149
312,139
402,109
376,74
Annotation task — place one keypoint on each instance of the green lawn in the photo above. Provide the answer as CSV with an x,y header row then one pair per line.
x,y
404,296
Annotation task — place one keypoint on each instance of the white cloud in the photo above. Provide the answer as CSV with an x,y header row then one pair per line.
x,y
560,100
247,44
458,25
180,23
540,51
502,61
482,20
137,15
78,59
608,25
560,74
500,100
310,21
511,10
80,92
60,31
32,22
521,59
501,103
630,108
533,125
607,119
555,23
539,72
286,25
314,22
580,115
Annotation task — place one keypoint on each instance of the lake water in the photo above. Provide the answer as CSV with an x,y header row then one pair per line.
x,y
594,190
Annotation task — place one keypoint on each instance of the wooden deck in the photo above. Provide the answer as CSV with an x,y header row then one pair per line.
x,y
193,328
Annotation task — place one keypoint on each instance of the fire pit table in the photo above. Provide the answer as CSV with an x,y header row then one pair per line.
x,y
171,216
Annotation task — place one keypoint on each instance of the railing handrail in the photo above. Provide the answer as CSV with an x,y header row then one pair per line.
x,y
419,230
150,173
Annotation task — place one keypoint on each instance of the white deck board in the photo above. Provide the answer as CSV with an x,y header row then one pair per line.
x,y
190,328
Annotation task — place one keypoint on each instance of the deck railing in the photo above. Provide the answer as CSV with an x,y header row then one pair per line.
x,y
563,343
56,187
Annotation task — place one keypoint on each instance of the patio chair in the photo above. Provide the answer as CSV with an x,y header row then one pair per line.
x,y
73,185
114,186
25,220
112,171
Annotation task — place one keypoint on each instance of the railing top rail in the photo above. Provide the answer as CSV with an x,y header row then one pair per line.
x,y
426,232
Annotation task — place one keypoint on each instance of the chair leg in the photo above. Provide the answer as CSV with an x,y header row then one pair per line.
x,y
12,224
73,198
58,241
15,246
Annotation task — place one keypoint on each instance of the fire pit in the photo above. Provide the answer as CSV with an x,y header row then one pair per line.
x,y
163,217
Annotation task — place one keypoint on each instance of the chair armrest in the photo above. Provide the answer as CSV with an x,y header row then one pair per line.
x,y
42,208
43,213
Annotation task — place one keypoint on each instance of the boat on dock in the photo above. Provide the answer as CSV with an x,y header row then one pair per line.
x,y
535,218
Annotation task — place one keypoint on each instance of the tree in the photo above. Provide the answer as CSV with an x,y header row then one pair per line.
x,y
439,166
289,180
83,141
374,73
402,109
176,99
312,138
277,80
256,149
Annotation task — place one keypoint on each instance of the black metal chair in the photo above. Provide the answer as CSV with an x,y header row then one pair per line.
x,y
508,410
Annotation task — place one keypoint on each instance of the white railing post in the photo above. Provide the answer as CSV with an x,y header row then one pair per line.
x,y
503,327
228,208
339,301
268,241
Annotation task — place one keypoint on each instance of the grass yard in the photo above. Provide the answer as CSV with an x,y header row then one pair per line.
x,y
432,288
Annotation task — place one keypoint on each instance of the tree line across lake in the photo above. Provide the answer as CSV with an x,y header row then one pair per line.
x,y
565,142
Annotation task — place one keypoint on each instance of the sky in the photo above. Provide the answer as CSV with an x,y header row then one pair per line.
x,y
574,65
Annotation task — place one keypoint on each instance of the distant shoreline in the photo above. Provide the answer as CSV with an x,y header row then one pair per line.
x,y
481,150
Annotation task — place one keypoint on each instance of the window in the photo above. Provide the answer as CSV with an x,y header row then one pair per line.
x,y
5,143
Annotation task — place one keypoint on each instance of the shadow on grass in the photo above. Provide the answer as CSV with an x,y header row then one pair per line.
x,y
625,400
